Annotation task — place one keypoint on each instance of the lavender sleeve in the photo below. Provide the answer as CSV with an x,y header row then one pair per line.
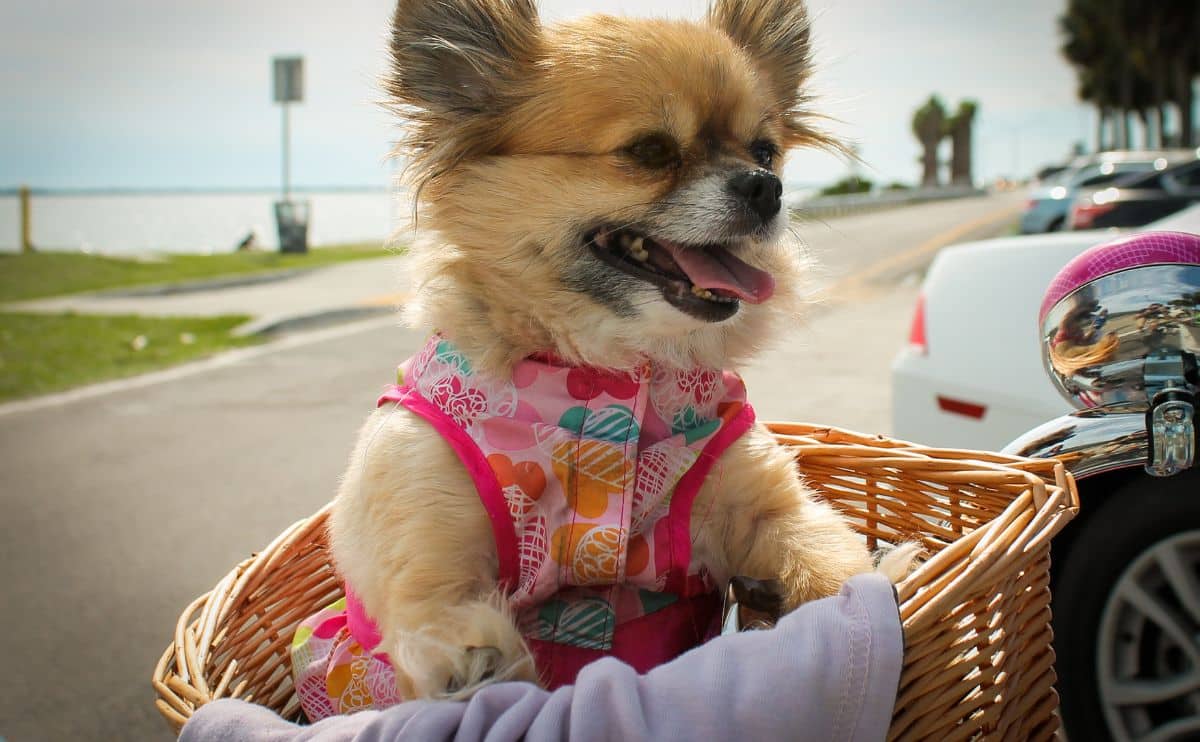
x,y
828,671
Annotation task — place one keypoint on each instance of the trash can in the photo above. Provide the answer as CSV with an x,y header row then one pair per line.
x,y
292,219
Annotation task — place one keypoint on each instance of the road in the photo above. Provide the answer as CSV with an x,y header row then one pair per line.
x,y
120,507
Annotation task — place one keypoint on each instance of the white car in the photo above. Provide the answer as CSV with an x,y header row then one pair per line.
x,y
971,375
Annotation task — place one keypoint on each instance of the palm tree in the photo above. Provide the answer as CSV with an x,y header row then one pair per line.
x,y
1085,47
958,128
927,125
1181,53
1134,57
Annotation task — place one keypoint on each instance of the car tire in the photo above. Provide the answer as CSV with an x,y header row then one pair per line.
x,y
1058,225
1122,535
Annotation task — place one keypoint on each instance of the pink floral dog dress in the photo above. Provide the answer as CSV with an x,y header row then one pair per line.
x,y
588,477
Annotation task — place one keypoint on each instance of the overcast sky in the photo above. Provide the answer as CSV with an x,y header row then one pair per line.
x,y
176,93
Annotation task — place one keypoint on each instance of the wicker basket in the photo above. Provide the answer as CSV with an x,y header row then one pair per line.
x,y
978,661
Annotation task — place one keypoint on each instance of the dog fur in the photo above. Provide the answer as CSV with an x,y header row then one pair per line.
x,y
521,138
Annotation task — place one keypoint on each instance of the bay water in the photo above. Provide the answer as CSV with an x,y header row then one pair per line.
x,y
204,223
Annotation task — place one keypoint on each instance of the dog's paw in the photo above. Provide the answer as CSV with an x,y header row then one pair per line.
x,y
474,645
761,596
481,666
899,561
474,667
436,669
759,603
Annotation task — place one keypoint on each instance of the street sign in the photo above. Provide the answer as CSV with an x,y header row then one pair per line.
x,y
289,79
290,216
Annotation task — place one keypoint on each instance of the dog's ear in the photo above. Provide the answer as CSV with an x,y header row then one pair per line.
x,y
458,58
775,33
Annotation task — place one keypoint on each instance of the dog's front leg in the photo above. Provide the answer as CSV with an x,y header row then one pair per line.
x,y
413,540
754,517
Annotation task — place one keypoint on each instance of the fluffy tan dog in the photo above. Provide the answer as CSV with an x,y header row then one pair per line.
x,y
605,190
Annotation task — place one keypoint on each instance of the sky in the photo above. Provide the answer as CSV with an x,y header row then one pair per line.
x,y
176,93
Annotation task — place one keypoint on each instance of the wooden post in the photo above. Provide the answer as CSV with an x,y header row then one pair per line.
x,y
287,153
26,242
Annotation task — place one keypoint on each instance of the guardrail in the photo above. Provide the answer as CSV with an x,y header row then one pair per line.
x,y
858,203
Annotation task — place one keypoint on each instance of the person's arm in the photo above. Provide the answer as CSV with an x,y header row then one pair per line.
x,y
828,671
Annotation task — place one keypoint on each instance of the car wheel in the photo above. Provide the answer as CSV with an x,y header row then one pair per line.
x,y
1058,225
1127,615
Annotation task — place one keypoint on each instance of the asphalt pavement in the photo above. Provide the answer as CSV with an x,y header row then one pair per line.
x,y
123,502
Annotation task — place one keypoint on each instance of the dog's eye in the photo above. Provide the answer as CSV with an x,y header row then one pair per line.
x,y
764,152
655,151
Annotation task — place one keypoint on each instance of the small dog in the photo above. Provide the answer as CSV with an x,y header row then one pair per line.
x,y
604,205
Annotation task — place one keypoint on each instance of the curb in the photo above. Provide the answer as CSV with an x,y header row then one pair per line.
x,y
205,284
266,326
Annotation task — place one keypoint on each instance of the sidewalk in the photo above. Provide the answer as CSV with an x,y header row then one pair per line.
x,y
834,368
335,293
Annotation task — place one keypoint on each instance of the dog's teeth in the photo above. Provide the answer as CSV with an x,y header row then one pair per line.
x,y
638,251
703,293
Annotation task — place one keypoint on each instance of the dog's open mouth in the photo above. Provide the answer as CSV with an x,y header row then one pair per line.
x,y
706,281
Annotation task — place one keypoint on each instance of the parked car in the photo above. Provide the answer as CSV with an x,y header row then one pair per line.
x,y
1048,172
1134,200
972,376
1050,202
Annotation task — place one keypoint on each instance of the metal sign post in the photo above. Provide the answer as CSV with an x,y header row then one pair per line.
x,y
291,216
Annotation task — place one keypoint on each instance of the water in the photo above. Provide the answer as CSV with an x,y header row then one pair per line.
x,y
127,224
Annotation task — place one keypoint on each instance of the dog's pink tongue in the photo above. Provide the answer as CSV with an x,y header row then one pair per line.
x,y
717,268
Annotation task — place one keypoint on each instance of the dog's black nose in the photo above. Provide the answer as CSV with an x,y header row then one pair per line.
x,y
761,191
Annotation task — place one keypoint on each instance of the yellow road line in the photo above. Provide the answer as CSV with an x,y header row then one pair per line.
x,y
385,300
857,282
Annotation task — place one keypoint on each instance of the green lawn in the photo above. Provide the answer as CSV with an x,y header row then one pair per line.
x,y
33,275
42,353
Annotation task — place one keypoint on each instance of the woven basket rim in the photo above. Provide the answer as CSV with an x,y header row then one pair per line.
x,y
990,551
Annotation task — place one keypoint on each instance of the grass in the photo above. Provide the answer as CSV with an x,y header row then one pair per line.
x,y
34,275
42,353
